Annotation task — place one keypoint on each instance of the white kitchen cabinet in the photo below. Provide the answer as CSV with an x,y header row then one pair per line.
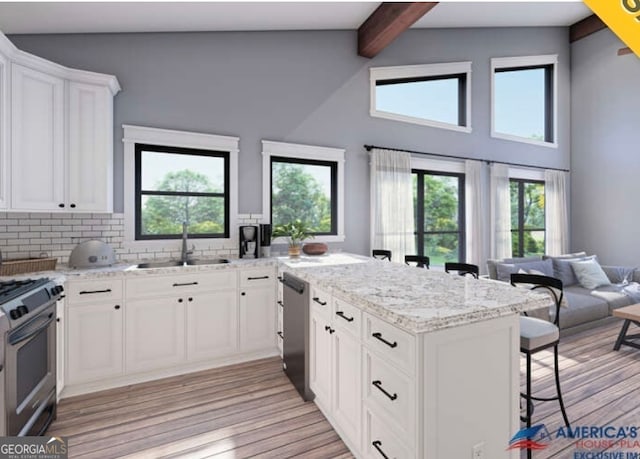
x,y
90,153
94,342
37,139
212,325
155,333
257,318
347,386
4,132
320,360
60,345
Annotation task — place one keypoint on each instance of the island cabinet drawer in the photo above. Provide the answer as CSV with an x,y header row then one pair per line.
x,y
390,393
347,316
153,285
397,346
320,301
257,277
380,440
90,291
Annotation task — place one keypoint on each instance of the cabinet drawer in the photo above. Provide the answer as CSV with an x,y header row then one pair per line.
x,y
397,346
380,440
320,301
257,277
92,291
347,316
391,392
154,285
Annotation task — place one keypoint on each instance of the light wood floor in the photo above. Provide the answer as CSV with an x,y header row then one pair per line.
x,y
239,411
251,409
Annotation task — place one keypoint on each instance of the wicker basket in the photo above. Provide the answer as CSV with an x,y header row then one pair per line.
x,y
28,265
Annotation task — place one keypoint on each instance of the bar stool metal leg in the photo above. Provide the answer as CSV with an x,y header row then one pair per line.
x,y
557,372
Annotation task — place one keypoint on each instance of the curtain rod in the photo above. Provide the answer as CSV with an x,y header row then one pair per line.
x,y
442,155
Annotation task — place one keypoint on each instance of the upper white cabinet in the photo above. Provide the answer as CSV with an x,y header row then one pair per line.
x,y
56,135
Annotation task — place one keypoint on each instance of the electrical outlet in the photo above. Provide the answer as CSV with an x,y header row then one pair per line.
x,y
478,451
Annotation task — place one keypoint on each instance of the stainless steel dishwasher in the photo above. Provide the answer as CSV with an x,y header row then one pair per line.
x,y
295,340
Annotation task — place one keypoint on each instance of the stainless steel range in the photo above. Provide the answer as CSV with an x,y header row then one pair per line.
x,y
28,366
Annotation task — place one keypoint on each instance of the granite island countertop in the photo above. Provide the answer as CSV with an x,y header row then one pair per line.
x,y
420,300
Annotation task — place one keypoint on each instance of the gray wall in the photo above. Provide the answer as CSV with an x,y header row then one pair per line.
x,y
605,160
302,87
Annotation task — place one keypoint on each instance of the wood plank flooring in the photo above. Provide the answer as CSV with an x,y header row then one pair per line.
x,y
238,411
252,410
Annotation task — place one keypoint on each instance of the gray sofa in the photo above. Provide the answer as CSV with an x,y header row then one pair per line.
x,y
585,307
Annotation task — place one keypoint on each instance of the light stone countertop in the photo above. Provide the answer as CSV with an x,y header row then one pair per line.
x,y
416,300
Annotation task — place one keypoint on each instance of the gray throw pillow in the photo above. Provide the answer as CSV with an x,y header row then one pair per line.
x,y
562,269
504,270
590,274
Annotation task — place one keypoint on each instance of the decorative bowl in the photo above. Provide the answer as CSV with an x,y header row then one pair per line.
x,y
315,248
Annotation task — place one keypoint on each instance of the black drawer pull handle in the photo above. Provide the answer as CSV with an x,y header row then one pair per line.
x,y
341,314
258,278
379,336
378,445
378,384
281,304
280,335
186,283
91,292
317,300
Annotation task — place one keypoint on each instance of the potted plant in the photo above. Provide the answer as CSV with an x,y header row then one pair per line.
x,y
295,232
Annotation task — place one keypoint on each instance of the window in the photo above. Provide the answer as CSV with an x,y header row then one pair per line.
x,y
304,182
524,99
527,217
304,189
174,176
439,210
176,185
435,95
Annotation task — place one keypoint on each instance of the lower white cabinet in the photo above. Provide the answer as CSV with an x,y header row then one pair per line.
x,y
155,333
94,342
346,382
320,361
212,325
257,318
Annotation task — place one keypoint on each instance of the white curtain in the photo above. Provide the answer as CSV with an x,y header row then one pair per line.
x,y
556,213
500,211
392,222
475,212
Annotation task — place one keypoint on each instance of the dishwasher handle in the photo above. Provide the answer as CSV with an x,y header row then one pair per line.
x,y
294,283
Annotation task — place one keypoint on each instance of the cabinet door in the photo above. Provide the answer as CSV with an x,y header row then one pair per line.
x,y
89,160
94,342
347,384
212,325
37,140
154,333
258,319
60,346
320,361
4,132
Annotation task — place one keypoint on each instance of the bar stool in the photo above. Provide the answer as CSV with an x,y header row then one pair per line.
x,y
462,269
421,261
537,335
381,254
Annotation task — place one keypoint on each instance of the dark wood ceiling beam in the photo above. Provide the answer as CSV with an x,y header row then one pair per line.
x,y
386,23
587,26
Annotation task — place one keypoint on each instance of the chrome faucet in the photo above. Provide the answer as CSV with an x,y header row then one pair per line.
x,y
184,257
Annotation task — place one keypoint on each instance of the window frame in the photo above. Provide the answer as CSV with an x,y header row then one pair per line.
x,y
420,167
425,72
311,153
176,139
521,230
139,148
503,64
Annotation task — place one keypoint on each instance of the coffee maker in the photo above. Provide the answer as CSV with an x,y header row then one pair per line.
x,y
249,241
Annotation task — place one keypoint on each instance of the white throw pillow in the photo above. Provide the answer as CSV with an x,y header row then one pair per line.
x,y
590,274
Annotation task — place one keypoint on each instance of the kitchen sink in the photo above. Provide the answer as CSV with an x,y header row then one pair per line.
x,y
174,263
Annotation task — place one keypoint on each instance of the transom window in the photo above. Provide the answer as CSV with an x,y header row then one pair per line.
x,y
435,95
524,99
439,211
175,185
304,189
527,217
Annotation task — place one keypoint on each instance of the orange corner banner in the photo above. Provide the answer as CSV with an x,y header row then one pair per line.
x,y
622,17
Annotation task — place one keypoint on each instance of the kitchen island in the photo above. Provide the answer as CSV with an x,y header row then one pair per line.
x,y
407,362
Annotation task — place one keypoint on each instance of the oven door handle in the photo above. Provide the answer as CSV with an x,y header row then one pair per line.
x,y
31,329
